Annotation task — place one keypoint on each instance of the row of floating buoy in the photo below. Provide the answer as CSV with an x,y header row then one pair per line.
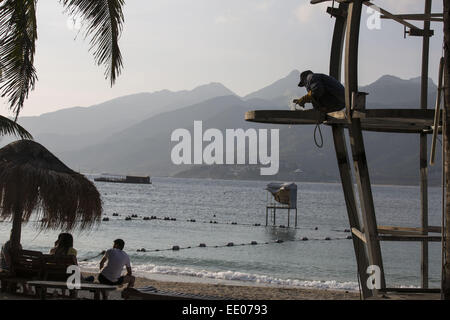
x,y
146,218
232,244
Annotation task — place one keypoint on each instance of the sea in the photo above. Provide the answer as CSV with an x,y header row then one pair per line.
x,y
228,217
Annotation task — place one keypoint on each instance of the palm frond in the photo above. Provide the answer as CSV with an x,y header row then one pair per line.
x,y
102,21
18,33
9,127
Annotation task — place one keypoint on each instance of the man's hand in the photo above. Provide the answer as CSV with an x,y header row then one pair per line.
x,y
298,101
102,262
305,99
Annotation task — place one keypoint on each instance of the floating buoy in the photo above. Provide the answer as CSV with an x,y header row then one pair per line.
x,y
230,244
279,241
327,238
202,245
234,223
175,248
192,220
215,221
316,228
105,219
304,239
115,214
257,224
254,242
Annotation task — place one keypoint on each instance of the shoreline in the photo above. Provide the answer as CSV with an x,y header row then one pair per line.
x,y
237,289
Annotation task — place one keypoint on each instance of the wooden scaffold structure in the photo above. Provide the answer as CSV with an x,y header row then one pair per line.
x,y
366,233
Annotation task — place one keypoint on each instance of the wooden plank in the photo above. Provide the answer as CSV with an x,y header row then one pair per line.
x,y
382,120
417,238
411,230
285,116
411,290
360,235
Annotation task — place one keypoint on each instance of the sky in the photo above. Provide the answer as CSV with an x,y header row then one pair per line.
x,y
243,44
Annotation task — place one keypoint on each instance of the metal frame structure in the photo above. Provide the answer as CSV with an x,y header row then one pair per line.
x,y
366,233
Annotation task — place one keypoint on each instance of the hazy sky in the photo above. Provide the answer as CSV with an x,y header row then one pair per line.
x,y
244,44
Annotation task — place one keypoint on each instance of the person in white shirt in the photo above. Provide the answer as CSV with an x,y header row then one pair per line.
x,y
117,259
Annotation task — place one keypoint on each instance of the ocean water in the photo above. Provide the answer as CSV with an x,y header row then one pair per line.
x,y
315,263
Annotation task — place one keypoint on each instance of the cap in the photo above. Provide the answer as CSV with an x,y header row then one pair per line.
x,y
303,76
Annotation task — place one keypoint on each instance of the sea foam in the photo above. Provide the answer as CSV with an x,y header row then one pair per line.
x,y
149,270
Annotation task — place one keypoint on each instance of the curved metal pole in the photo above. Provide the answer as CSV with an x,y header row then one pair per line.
x,y
357,142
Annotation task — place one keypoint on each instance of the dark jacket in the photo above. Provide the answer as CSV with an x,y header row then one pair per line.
x,y
328,94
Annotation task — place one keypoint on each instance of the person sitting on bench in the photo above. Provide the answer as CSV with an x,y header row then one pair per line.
x,y
117,259
5,256
64,246
324,92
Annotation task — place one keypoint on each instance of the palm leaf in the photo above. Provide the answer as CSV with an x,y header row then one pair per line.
x,y
9,127
18,33
102,22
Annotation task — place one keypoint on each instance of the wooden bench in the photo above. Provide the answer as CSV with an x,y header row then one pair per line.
x,y
26,265
151,293
30,265
54,268
99,290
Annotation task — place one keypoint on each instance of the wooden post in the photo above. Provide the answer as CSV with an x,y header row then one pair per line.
x,y
267,215
446,231
423,147
16,230
357,141
289,211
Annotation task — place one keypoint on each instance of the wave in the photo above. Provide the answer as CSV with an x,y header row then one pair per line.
x,y
146,270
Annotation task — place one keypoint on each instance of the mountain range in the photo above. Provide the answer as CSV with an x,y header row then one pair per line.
x,y
132,134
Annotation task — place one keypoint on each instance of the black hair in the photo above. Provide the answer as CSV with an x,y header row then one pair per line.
x,y
119,243
64,243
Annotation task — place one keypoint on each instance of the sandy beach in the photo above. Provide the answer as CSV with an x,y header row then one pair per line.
x,y
238,291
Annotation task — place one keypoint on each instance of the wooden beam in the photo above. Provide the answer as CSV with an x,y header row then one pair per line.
x,y
446,138
411,290
381,120
360,235
417,238
408,230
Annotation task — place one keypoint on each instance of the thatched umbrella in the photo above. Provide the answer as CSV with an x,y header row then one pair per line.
x,y
33,180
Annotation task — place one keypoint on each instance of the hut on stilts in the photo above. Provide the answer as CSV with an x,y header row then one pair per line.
x,y
355,118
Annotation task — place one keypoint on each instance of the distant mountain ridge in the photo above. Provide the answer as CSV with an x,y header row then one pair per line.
x,y
131,134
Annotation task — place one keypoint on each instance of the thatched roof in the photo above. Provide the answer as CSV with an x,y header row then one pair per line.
x,y
33,179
